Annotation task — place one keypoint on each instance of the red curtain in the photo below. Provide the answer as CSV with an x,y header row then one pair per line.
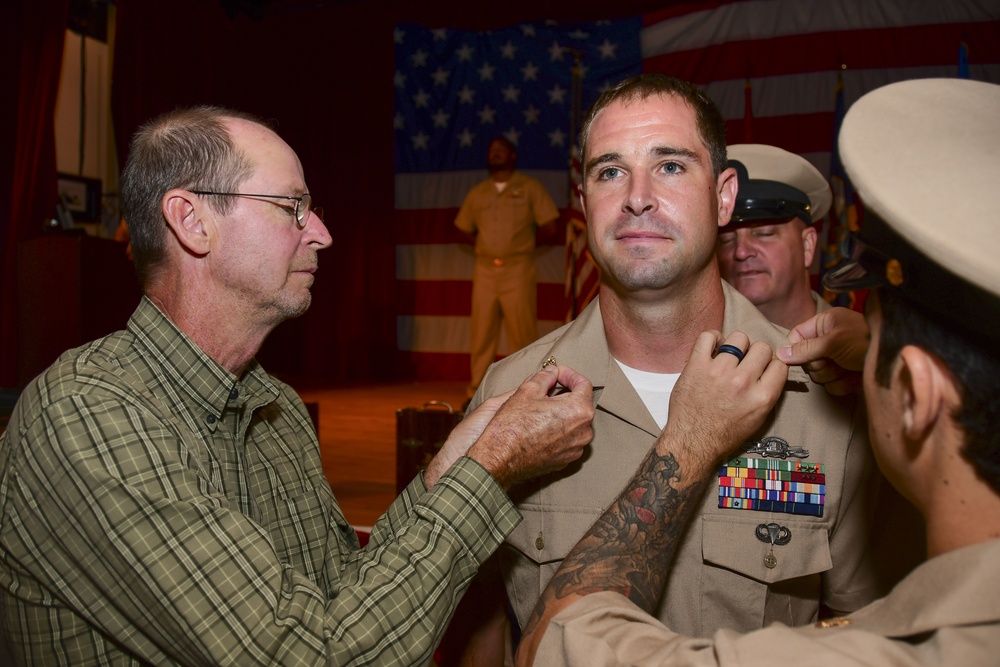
x,y
32,35
320,74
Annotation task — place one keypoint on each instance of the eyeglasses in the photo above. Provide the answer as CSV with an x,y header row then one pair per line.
x,y
302,204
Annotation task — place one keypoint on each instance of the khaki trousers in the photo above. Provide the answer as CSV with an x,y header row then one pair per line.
x,y
501,291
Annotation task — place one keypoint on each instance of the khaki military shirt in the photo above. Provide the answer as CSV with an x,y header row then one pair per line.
x,y
504,222
724,574
946,612
821,303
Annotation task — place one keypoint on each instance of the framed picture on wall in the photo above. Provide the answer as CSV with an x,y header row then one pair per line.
x,y
81,197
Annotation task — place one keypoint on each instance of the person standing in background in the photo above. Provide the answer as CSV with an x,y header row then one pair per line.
x,y
768,246
502,213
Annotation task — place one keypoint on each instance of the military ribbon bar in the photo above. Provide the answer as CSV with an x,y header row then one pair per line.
x,y
765,485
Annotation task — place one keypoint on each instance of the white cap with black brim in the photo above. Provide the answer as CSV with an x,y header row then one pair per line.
x,y
922,156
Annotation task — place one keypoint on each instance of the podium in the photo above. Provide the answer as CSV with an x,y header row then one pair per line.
x,y
71,289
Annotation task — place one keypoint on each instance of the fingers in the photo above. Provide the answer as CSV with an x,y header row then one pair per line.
x,y
706,344
804,351
736,342
831,348
574,381
759,363
849,383
554,380
547,378
723,395
736,350
838,334
823,371
774,376
544,425
804,330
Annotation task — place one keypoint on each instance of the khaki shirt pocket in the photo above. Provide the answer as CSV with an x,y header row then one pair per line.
x,y
733,544
738,590
534,551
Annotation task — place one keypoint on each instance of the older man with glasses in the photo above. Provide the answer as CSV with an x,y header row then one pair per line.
x,y
162,498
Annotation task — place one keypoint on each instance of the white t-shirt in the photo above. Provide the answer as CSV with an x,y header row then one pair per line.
x,y
654,389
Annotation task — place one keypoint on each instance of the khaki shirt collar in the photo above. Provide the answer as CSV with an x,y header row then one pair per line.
x,y
741,315
584,347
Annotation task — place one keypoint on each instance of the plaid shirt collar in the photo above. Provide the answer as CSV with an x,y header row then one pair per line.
x,y
208,387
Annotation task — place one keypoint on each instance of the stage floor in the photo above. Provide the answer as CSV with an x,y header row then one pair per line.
x,y
357,438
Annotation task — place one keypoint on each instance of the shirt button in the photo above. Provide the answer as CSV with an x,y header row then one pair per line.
x,y
234,394
539,543
210,419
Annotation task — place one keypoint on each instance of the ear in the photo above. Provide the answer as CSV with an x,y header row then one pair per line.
x,y
583,199
809,237
182,211
927,392
726,187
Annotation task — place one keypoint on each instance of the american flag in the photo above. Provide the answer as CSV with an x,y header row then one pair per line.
x,y
582,274
770,65
456,91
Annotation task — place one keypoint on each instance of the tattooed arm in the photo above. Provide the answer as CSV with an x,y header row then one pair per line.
x,y
716,405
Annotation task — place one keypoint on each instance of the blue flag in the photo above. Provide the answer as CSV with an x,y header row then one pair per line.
x,y
457,90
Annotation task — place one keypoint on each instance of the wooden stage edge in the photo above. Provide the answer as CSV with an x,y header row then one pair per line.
x,y
357,438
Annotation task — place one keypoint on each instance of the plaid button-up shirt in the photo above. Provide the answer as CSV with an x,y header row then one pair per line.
x,y
154,508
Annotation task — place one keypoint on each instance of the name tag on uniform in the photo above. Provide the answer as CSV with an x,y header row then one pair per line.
x,y
766,485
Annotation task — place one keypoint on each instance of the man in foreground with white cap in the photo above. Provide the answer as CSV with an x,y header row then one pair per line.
x,y
768,246
931,375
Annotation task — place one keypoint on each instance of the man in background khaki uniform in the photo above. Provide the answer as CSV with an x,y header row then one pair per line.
x,y
503,213
768,246
656,190
928,245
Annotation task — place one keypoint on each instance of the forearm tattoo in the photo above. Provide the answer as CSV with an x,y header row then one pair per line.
x,y
630,547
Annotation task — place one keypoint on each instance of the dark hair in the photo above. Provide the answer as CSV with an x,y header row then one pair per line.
x,y
505,141
184,148
973,364
711,124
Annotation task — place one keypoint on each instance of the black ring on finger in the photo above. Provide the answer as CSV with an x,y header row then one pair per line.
x,y
733,350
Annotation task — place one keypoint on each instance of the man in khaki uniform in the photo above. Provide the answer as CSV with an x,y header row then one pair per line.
x,y
928,245
503,213
768,246
656,190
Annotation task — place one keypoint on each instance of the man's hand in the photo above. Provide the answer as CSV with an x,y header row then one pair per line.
x,y
720,401
543,426
463,436
830,347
